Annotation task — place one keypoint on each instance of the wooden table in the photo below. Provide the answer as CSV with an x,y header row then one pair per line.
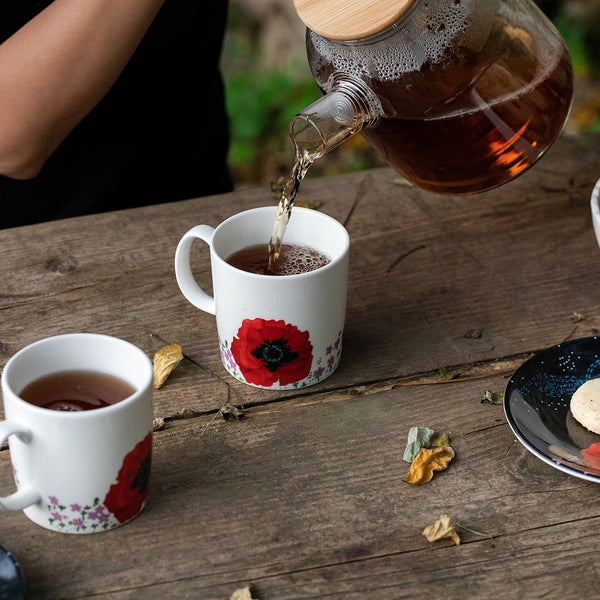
x,y
305,498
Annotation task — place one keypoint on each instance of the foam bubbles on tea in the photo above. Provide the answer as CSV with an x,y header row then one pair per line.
x,y
74,391
293,259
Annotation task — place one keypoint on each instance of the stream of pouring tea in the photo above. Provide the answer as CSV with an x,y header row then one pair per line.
x,y
284,208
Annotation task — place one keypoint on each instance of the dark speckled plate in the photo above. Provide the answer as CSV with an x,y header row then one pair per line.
x,y
537,400
12,584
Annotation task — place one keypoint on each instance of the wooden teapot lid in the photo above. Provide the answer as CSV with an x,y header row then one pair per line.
x,y
350,19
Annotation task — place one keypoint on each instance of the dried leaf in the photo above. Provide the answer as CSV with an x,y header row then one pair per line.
x,y
577,317
230,412
187,413
165,360
401,181
418,437
444,374
242,594
492,397
429,460
440,441
440,530
158,424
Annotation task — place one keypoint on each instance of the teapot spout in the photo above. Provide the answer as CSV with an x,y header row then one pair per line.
x,y
344,110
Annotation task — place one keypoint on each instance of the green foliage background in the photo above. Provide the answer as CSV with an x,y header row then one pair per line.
x,y
260,102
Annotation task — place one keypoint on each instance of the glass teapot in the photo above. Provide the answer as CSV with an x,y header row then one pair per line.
x,y
459,96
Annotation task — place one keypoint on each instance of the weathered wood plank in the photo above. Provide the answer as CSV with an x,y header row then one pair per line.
x,y
307,500
482,264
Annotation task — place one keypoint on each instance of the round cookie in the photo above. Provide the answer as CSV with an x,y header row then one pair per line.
x,y
585,405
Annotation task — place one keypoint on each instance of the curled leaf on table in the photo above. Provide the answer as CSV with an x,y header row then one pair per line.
x,y
158,424
577,317
418,437
445,374
440,530
187,413
492,397
427,461
165,360
441,440
242,594
229,412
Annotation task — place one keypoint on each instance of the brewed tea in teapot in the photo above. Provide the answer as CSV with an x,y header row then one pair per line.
x,y
459,96
463,95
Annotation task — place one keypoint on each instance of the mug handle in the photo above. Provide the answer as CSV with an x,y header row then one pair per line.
x,y
25,496
183,271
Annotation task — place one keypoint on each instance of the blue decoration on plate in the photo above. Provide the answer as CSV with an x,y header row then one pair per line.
x,y
12,583
537,405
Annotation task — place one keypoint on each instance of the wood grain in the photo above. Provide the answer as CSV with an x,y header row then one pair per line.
x,y
350,19
304,498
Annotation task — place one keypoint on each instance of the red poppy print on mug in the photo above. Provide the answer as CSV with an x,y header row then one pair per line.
x,y
123,501
128,495
268,352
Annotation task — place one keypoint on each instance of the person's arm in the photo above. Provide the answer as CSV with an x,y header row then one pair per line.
x,y
56,68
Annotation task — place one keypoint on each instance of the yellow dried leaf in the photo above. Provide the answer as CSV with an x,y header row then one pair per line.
x,y
158,424
440,530
165,360
427,461
441,440
242,594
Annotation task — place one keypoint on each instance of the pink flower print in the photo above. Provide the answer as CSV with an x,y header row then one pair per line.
x,y
102,517
317,373
78,522
95,514
57,516
329,349
337,343
75,508
99,513
53,500
330,361
228,356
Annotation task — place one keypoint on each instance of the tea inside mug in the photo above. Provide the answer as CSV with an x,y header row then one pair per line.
x,y
74,391
293,259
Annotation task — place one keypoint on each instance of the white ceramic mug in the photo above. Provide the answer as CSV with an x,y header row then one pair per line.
x,y
275,332
79,472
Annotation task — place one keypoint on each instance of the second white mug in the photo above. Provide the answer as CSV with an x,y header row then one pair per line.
x,y
275,332
79,471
